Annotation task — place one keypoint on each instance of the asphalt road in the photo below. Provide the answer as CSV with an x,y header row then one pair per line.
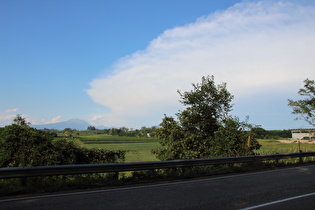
x,y
289,188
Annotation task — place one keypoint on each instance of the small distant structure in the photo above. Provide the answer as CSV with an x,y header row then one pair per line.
x,y
303,134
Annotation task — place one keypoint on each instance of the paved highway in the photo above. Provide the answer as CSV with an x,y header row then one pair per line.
x,y
289,188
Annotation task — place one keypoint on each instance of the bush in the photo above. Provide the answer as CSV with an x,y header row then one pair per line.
x,y
21,145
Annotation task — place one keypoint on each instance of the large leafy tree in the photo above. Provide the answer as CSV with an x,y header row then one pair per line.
x,y
305,107
194,134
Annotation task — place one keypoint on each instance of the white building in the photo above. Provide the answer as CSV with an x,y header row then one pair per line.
x,y
303,134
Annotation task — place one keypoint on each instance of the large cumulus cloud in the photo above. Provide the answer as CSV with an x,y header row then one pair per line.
x,y
254,47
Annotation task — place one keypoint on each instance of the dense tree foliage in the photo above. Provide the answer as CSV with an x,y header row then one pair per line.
x,y
234,138
201,127
305,107
21,145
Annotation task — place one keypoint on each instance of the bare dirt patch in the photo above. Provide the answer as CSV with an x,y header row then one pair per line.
x,y
296,141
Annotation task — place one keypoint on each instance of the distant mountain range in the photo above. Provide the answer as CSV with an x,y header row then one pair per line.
x,y
73,124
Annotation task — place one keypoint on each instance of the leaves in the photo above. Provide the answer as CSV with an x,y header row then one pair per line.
x,y
305,107
233,138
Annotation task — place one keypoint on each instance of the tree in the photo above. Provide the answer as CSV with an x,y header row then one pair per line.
x,y
21,145
305,107
204,129
193,135
234,138
19,120
91,128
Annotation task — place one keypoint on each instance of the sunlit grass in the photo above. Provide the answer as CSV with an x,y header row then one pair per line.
x,y
139,149
136,152
270,146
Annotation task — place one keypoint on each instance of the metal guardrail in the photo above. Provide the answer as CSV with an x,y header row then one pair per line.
x,y
17,172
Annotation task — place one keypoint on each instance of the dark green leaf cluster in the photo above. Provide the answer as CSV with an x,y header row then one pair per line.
x,y
234,139
21,145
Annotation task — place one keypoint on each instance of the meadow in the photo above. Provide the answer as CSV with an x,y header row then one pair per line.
x,y
139,149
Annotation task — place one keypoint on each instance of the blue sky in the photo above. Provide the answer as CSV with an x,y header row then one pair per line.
x,y
120,63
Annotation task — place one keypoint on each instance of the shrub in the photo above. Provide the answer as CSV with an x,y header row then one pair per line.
x,y
21,145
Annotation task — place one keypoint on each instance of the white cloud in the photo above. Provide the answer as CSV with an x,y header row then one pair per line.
x,y
53,120
11,110
7,116
254,47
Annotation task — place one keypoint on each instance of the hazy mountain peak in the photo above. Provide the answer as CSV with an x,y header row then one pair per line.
x,y
77,124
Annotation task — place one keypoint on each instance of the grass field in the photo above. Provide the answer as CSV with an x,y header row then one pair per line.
x,y
271,146
139,149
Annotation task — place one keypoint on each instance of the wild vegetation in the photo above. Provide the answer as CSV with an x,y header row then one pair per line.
x,y
142,152
21,145
204,129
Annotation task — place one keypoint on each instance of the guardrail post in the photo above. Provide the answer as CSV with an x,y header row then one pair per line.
x,y
116,177
23,181
301,158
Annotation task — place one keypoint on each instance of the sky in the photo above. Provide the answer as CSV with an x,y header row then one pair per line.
x,y
120,63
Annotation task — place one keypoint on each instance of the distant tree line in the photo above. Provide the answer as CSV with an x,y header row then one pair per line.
x,y
123,131
258,132
146,132
261,133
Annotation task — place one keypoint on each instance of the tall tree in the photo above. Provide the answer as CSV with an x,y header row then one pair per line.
x,y
305,107
19,120
192,136
204,128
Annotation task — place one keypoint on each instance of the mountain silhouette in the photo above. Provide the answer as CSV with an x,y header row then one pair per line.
x,y
73,124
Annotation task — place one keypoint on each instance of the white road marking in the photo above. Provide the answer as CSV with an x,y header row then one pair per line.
x,y
279,201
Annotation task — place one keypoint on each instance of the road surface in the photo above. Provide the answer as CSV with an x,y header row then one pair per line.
x,y
288,188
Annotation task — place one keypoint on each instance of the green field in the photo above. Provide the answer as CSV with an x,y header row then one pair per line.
x,y
271,146
139,149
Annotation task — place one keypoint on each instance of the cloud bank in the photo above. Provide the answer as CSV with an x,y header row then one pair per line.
x,y
7,116
254,47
